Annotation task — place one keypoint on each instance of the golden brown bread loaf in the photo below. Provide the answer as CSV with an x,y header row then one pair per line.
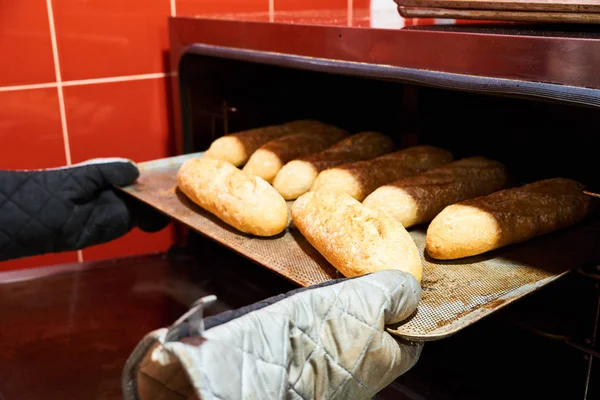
x,y
505,217
359,179
273,155
238,147
355,239
243,201
297,176
418,199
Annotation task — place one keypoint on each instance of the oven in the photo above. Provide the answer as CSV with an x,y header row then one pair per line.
x,y
526,96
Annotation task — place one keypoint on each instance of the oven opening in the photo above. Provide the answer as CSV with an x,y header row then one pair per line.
x,y
535,139
538,347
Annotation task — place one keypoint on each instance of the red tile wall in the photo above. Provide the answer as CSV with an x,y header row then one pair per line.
x,y
84,79
80,80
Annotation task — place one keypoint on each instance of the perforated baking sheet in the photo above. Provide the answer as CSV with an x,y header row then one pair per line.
x,y
455,293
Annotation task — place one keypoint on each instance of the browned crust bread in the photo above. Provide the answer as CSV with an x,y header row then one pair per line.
x,y
273,155
246,202
505,217
418,199
238,147
297,176
355,239
360,178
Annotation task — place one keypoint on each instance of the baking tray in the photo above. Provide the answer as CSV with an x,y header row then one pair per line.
x,y
455,293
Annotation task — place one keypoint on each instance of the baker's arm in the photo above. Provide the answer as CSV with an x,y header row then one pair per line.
x,y
323,342
54,210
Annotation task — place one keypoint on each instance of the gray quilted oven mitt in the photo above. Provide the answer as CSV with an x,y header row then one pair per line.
x,y
322,342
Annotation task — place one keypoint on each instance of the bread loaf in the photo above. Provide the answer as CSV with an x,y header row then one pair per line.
x,y
359,179
418,199
243,201
505,217
355,239
273,155
238,147
297,176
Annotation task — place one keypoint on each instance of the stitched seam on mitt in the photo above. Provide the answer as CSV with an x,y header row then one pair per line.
x,y
89,216
380,315
387,294
84,228
8,196
256,356
52,196
320,329
299,395
243,365
357,319
9,200
286,361
29,217
327,354
362,353
389,298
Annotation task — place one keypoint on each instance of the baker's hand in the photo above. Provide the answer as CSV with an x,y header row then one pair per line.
x,y
69,208
324,342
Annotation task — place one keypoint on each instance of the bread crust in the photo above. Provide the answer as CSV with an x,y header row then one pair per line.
x,y
297,176
505,217
355,239
273,155
238,147
359,179
418,199
246,202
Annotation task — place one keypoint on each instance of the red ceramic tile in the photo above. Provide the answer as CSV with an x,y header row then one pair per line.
x,y
361,4
122,119
25,41
39,261
201,7
101,38
134,243
30,130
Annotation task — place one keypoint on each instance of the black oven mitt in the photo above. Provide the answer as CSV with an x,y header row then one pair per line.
x,y
70,208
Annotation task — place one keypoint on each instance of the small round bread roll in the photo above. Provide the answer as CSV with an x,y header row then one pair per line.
x,y
244,201
355,239
297,176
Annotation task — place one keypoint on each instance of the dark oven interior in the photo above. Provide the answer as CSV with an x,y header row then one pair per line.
x,y
541,347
